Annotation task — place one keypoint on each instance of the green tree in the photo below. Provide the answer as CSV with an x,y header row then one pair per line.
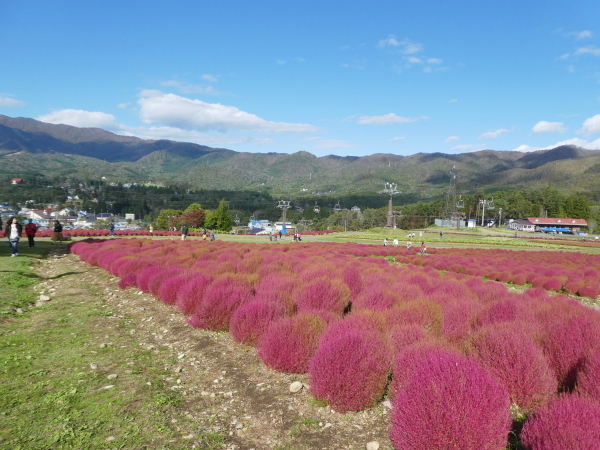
x,y
224,222
165,218
193,207
210,219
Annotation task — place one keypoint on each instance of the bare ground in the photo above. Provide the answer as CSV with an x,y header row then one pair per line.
x,y
226,387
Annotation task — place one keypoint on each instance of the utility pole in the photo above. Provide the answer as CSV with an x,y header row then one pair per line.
x,y
390,189
489,204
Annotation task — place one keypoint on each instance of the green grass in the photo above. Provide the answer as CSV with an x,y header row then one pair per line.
x,y
52,398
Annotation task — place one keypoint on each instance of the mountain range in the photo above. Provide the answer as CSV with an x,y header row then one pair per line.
x,y
28,147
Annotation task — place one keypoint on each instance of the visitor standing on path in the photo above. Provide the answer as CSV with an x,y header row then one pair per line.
x,y
111,227
30,230
184,232
13,232
422,249
57,235
395,242
385,242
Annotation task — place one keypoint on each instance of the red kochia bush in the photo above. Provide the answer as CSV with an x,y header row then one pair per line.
x,y
350,370
512,356
289,343
567,343
128,281
588,379
250,321
450,402
220,301
569,422
190,295
322,293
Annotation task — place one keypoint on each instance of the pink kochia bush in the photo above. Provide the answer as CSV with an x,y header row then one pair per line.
x,y
289,343
513,357
323,293
350,370
220,301
250,321
569,422
450,402
588,379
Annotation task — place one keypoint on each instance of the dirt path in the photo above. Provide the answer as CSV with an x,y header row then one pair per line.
x,y
225,386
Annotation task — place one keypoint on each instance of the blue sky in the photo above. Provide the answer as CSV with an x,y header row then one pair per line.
x,y
327,77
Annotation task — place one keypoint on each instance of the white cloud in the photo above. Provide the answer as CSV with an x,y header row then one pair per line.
x,y
191,88
414,60
451,139
358,64
594,145
548,127
177,134
175,111
326,144
589,50
7,101
585,34
462,148
405,46
80,118
124,105
387,119
493,134
209,77
453,100
281,62
591,125
398,138
434,61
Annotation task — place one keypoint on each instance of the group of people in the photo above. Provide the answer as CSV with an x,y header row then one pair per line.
x,y
422,248
273,235
13,231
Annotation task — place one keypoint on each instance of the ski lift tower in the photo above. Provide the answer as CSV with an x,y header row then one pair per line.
x,y
390,189
284,205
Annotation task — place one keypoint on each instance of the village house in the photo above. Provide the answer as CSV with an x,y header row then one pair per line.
x,y
548,225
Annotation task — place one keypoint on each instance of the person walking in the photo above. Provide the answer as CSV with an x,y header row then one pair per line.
x,y
13,232
422,249
111,228
151,230
395,242
212,235
57,235
30,230
385,242
184,232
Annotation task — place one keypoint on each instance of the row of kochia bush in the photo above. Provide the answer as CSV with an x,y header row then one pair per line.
x,y
570,272
458,356
79,232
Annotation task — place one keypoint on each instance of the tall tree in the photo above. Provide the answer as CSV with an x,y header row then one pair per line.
x,y
224,222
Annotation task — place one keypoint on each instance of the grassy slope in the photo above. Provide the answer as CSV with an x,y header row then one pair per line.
x,y
51,397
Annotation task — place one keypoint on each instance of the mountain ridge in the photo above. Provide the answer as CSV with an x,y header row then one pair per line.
x,y
28,145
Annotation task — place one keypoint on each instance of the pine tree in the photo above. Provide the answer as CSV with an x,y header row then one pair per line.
x,y
224,222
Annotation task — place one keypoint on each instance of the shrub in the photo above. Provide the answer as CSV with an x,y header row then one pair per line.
x,y
321,293
408,359
379,298
190,295
568,341
588,379
128,281
426,313
250,321
169,288
220,301
289,343
589,289
402,336
514,358
569,422
146,275
366,320
450,402
158,279
350,370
